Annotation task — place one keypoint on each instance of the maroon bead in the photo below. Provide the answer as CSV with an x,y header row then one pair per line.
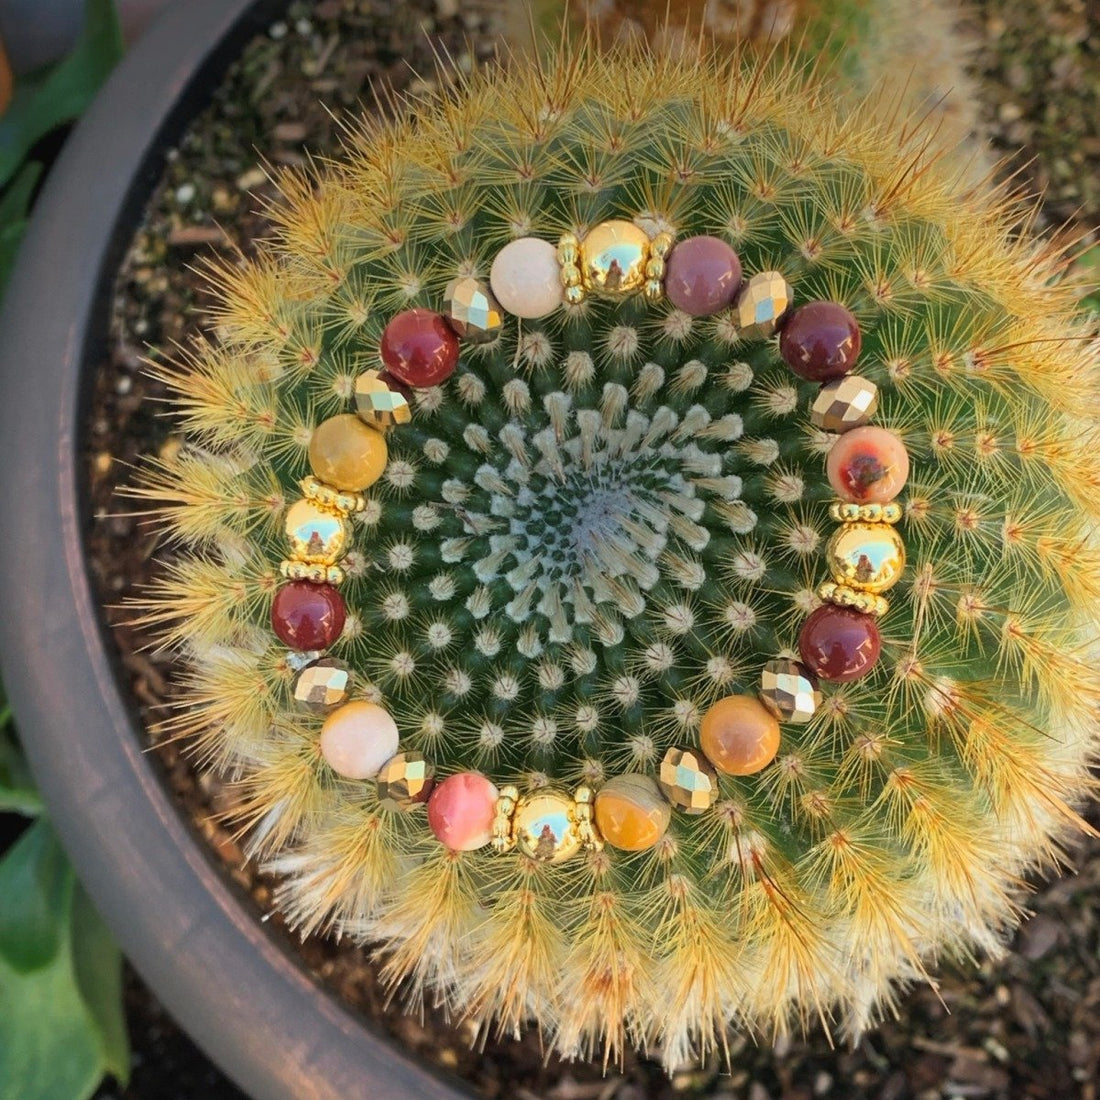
x,y
419,348
820,341
702,275
839,644
308,616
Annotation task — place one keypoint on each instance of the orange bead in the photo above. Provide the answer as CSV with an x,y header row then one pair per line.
x,y
347,454
631,813
739,735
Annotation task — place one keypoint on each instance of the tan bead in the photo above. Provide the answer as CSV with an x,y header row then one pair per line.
x,y
613,258
345,453
405,781
379,405
866,556
317,535
544,826
789,690
688,780
322,684
739,735
471,310
631,812
763,301
358,738
844,403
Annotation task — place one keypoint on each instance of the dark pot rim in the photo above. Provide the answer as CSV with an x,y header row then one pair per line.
x,y
189,931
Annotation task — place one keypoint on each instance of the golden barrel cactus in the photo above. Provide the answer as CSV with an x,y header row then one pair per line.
x,y
610,518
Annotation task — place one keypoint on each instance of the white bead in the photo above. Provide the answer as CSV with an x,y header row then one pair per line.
x,y
358,738
525,278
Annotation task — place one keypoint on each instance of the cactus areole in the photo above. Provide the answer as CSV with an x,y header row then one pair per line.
x,y
588,544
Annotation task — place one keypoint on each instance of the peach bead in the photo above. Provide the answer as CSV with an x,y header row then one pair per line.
x,y
631,813
526,277
461,811
739,735
358,738
868,465
346,453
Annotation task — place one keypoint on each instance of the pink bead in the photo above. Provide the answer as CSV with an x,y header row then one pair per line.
x,y
461,811
702,276
868,465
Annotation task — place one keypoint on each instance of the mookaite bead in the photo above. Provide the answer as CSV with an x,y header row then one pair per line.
x,y
702,276
419,348
308,616
868,465
358,738
739,735
820,341
525,278
839,644
346,453
461,811
631,813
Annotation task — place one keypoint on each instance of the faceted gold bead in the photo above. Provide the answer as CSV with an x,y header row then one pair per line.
x,y
405,781
761,304
789,690
471,309
844,403
544,826
317,535
322,684
613,258
688,780
377,405
866,556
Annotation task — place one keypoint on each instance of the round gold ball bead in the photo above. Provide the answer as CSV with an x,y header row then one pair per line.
x,y
544,826
869,557
613,258
317,535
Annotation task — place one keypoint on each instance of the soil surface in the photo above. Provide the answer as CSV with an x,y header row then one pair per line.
x,y
1026,1027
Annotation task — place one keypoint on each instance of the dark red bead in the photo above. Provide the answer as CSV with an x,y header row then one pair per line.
x,y
308,616
820,341
419,348
702,276
839,644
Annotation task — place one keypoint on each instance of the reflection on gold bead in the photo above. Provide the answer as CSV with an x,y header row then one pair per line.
x,y
316,534
544,826
869,557
613,258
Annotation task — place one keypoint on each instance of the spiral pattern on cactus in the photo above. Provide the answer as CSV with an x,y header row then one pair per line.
x,y
609,518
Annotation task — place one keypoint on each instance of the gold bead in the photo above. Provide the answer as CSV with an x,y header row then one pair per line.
x,y
688,780
843,596
326,495
377,405
661,245
471,310
761,305
844,403
570,275
613,258
869,557
317,535
789,690
574,295
322,684
405,781
891,513
505,806
318,574
544,826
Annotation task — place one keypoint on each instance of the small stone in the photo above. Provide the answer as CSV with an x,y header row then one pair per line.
x,y
419,348
762,304
322,684
703,276
688,780
631,813
868,465
820,341
844,404
378,404
346,454
358,739
839,644
461,811
613,258
739,735
471,310
307,616
405,781
317,535
525,278
789,690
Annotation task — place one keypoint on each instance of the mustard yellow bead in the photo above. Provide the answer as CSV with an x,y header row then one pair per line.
x,y
346,453
631,812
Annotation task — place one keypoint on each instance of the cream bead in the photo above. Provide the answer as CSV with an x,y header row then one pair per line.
x,y
526,279
358,739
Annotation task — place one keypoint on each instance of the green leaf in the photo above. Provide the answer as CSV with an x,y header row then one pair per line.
x,y
61,1023
44,102
17,793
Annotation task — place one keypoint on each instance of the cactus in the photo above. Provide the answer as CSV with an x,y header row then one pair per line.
x,y
894,828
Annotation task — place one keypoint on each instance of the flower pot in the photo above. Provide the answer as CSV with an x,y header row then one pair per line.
x,y
190,933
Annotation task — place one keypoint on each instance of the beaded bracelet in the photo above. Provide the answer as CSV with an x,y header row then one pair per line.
x,y
739,735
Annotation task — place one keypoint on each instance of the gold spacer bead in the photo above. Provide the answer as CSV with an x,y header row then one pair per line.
x,y
844,596
569,248
505,806
891,513
325,495
582,817
654,290
570,275
655,269
845,512
305,571
574,295
661,245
